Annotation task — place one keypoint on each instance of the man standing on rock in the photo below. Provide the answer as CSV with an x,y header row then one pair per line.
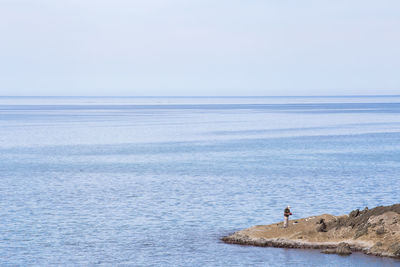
x,y
286,215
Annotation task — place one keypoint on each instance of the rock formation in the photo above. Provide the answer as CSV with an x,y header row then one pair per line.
x,y
372,231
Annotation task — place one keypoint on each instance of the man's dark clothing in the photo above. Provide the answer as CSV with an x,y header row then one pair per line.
x,y
286,212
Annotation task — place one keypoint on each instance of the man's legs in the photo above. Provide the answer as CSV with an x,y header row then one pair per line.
x,y
285,221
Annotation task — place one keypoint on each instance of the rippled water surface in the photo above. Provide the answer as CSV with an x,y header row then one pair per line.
x,y
157,181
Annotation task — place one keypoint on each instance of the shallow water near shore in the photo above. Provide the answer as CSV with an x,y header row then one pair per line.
x,y
153,181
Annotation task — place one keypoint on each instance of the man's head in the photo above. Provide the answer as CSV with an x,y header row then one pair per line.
x,y
288,207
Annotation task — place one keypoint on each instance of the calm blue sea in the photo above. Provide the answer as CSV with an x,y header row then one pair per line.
x,y
108,181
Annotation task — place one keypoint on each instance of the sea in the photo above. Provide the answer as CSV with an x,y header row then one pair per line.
x,y
157,181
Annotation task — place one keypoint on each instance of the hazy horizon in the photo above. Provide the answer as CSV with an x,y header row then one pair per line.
x,y
203,96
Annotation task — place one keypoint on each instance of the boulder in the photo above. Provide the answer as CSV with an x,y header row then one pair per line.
x,y
354,213
343,249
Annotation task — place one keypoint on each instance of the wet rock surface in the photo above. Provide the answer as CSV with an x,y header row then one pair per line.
x,y
342,249
372,231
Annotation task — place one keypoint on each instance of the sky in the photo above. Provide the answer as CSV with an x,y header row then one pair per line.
x,y
199,47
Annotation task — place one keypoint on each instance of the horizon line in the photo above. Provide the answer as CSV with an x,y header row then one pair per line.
x,y
197,96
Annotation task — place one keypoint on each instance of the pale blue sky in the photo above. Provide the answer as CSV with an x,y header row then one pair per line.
x,y
199,47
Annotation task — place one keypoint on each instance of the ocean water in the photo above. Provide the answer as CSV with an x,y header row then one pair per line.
x,y
108,181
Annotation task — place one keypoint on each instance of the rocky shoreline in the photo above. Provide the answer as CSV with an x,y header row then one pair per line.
x,y
371,231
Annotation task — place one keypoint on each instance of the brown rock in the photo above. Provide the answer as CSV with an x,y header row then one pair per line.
x,y
343,249
322,226
354,213
329,251
395,249
361,232
380,231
